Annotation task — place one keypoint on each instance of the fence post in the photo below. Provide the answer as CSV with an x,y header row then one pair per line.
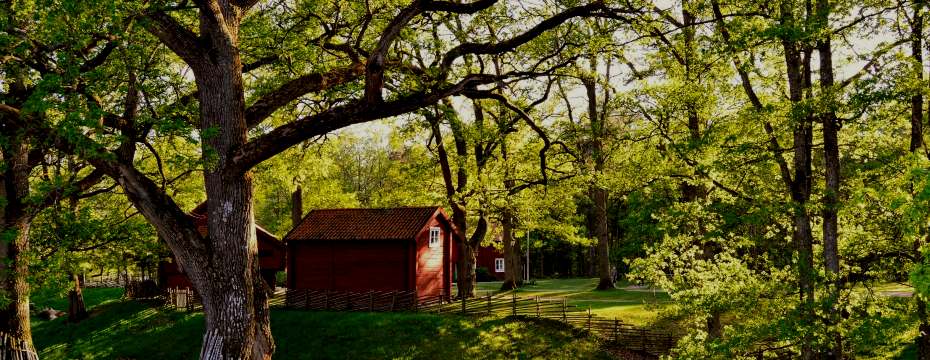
x,y
463,305
393,299
514,303
371,301
416,302
537,307
326,300
589,318
563,310
489,303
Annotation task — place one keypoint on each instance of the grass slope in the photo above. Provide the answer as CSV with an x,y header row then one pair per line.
x,y
132,330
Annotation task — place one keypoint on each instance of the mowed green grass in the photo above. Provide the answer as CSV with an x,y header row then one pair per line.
x,y
632,305
119,329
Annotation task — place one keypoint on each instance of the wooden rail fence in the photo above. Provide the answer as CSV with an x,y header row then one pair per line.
x,y
609,330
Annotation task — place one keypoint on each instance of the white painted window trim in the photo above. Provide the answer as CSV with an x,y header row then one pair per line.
x,y
435,235
499,265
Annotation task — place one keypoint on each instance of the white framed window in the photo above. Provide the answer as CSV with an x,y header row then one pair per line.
x,y
499,265
434,235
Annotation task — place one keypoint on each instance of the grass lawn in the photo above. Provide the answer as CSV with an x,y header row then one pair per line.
x,y
630,304
131,330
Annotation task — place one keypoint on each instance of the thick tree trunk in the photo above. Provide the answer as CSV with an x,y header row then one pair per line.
x,y
14,270
467,279
224,266
599,196
14,317
597,192
77,311
234,296
512,262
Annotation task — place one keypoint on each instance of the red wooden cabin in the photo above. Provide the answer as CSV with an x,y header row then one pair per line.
x,y
271,254
404,249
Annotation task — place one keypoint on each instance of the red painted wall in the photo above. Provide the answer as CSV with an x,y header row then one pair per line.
x,y
349,265
432,277
271,253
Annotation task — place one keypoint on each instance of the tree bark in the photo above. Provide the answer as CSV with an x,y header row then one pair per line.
x,y
831,155
601,232
466,269
915,145
14,315
235,299
797,62
77,311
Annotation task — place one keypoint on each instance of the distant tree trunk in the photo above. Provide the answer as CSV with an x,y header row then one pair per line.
x,y
125,274
916,144
695,192
297,207
77,311
539,260
602,234
831,155
597,192
923,336
797,65
799,73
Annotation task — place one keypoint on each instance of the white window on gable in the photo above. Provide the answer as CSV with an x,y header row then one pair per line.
x,y
434,235
499,265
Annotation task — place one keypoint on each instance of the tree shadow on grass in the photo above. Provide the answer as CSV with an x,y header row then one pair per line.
x,y
424,336
122,330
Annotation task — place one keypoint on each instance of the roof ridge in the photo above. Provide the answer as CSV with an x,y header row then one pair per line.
x,y
363,223
380,208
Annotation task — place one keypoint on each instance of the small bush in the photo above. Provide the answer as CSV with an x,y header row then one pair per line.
x,y
482,274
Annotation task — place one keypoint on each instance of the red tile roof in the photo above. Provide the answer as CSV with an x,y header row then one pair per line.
x,y
363,224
